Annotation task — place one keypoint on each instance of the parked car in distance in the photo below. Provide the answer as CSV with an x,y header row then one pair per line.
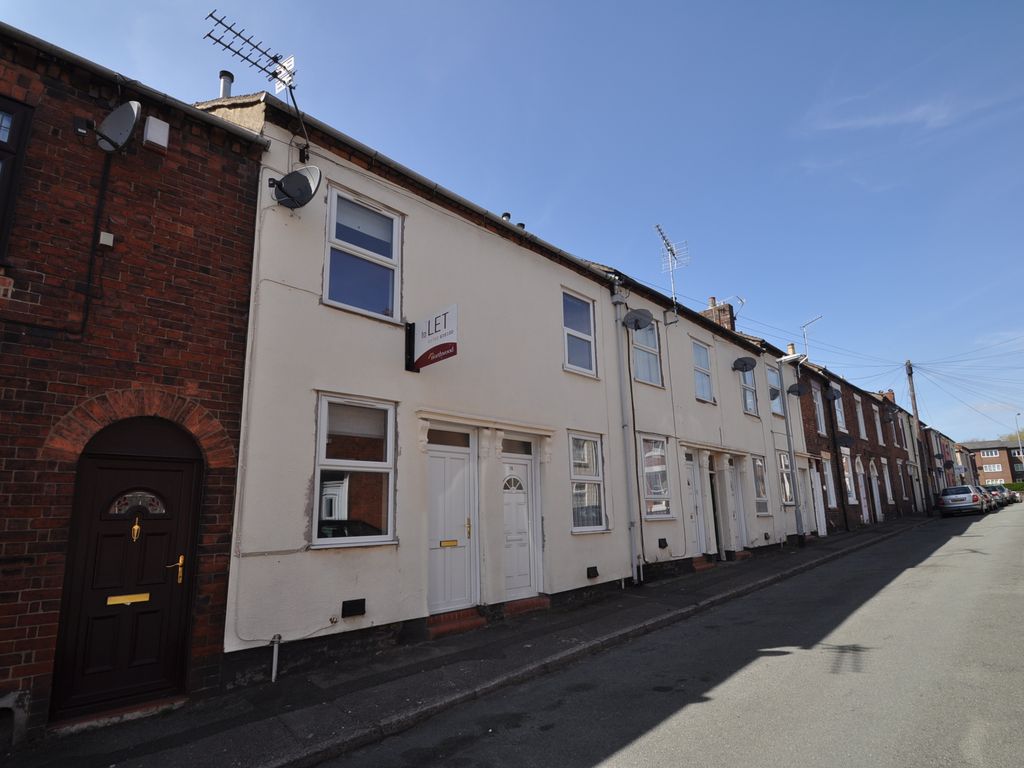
x,y
961,498
990,498
1000,492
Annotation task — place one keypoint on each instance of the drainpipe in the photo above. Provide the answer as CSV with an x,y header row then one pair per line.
x,y
276,642
619,300
794,476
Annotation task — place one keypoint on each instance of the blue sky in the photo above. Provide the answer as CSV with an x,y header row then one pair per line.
x,y
860,161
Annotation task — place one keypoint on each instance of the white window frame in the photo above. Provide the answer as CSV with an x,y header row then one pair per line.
x,y
1016,453
878,424
989,453
567,332
641,348
838,405
992,467
774,376
860,416
699,371
395,264
849,480
785,471
387,467
666,494
748,386
597,479
888,482
903,483
830,487
819,408
759,469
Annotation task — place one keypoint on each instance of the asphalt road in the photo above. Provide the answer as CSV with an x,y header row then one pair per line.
x,y
909,653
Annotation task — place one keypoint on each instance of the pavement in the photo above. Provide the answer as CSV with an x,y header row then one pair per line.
x,y
305,719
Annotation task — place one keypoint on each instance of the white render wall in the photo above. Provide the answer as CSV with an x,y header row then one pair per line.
x,y
508,375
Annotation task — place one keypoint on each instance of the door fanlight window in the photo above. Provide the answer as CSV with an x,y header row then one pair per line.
x,y
513,483
137,502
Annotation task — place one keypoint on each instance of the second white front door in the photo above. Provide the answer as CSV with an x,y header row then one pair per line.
x,y
451,560
519,561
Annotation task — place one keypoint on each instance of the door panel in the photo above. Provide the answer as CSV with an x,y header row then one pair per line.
x,y
518,534
450,563
124,614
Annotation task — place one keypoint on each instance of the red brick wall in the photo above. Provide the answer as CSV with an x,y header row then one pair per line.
x,y
165,335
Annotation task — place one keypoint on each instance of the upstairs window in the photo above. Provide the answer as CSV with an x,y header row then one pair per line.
x,y
990,454
819,408
749,392
578,330
878,425
702,372
775,382
888,481
646,355
14,120
840,413
860,416
364,258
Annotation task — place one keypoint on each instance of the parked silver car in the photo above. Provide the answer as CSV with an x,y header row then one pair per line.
x,y
961,498
1001,493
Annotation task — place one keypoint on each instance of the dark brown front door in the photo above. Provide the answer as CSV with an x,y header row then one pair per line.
x,y
126,598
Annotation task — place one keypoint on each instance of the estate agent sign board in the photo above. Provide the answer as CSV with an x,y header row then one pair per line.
x,y
432,340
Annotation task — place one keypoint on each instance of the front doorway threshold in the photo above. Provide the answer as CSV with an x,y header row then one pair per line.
x,y
113,716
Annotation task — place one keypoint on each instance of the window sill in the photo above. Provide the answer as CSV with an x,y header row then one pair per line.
x,y
649,383
706,402
589,531
580,372
764,514
353,544
656,518
752,415
361,312
779,415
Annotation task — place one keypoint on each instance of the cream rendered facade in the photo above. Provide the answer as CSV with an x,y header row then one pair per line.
x,y
712,446
508,381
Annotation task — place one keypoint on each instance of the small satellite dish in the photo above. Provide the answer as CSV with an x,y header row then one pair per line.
x,y
845,441
115,131
832,394
637,319
297,188
797,389
744,364
947,464
774,392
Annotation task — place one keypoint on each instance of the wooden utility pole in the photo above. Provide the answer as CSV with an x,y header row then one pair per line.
x,y
917,439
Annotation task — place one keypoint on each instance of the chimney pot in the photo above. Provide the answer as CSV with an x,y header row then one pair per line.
x,y
791,349
506,216
226,79
712,302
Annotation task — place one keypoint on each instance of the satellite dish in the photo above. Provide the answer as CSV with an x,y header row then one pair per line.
x,y
115,131
297,188
797,389
774,392
744,364
832,394
637,319
845,441
947,464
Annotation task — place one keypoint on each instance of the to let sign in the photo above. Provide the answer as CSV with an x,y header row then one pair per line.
x,y
433,339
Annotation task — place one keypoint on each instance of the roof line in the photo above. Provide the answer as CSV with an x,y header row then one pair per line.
x,y
25,38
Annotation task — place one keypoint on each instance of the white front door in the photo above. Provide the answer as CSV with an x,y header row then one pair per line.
x,y
878,499
736,505
693,490
451,562
865,515
519,568
819,501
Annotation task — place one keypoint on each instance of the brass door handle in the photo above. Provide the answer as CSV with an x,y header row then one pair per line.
x,y
469,528
180,565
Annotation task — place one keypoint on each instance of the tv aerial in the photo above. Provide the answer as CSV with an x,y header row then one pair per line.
x,y
673,256
277,68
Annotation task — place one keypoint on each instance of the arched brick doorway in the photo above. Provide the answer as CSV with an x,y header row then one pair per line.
x,y
123,636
